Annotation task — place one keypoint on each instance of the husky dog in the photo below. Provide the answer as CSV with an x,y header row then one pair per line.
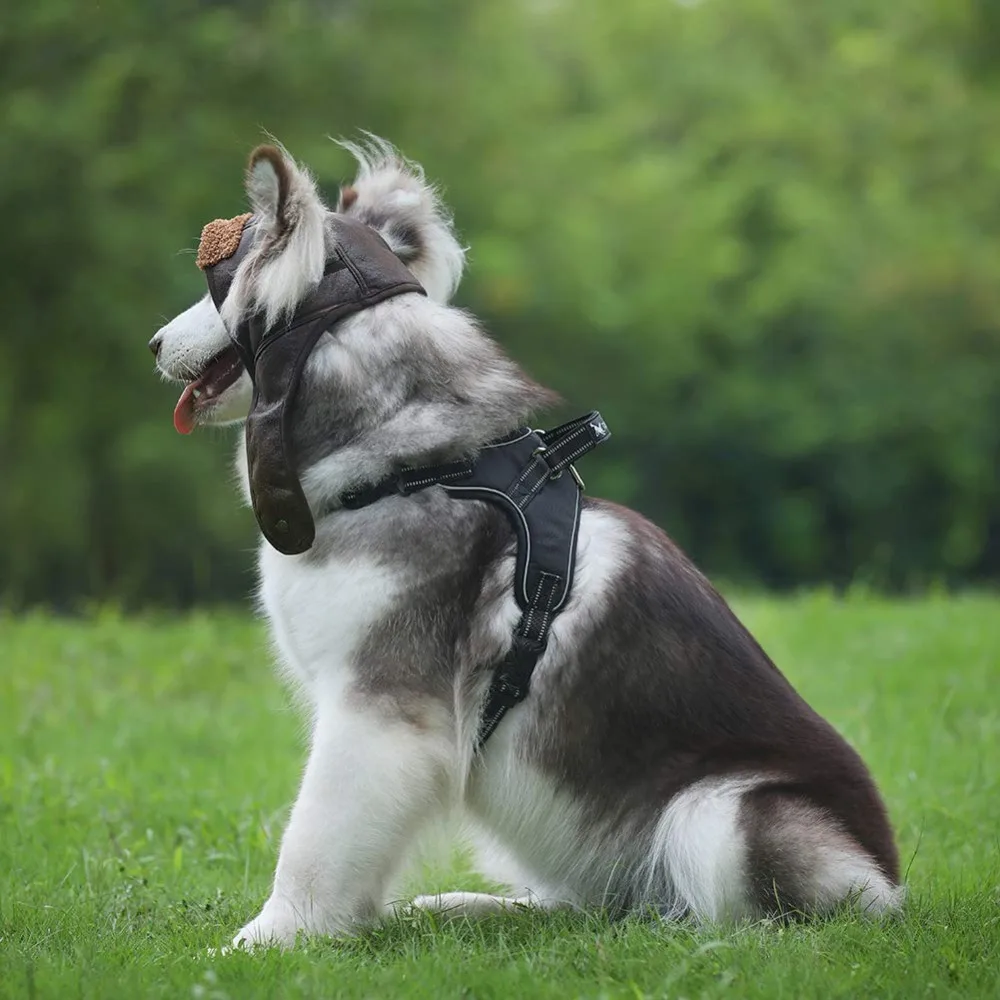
x,y
660,762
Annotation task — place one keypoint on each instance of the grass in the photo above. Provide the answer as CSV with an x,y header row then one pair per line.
x,y
146,767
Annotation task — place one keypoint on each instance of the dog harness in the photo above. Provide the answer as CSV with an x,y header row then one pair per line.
x,y
523,473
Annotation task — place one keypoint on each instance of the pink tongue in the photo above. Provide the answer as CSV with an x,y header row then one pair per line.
x,y
184,410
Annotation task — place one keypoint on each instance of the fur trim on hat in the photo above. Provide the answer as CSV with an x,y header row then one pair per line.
x,y
220,239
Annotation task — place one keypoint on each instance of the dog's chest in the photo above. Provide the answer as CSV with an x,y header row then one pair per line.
x,y
320,612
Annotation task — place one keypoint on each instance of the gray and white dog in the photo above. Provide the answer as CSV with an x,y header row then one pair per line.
x,y
660,762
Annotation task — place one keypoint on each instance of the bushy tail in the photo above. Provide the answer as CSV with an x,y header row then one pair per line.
x,y
732,849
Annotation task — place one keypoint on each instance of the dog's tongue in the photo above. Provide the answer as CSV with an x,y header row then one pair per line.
x,y
184,410
219,374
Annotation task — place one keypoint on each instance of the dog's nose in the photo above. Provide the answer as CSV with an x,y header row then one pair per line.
x,y
154,345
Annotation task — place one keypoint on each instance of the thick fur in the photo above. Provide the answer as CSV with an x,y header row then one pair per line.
x,y
661,761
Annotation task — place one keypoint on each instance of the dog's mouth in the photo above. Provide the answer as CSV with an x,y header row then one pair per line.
x,y
202,394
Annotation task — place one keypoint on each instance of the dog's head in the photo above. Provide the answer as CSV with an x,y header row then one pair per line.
x,y
291,244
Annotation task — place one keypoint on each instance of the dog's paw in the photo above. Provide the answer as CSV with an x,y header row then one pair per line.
x,y
259,934
468,904
276,926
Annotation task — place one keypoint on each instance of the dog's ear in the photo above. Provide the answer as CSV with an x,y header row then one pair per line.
x,y
268,183
348,196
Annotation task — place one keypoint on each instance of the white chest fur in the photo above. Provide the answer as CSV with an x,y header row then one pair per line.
x,y
320,612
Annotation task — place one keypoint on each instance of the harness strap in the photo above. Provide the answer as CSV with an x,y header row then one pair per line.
x,y
523,475
512,678
406,482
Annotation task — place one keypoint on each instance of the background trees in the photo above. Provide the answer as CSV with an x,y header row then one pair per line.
x,y
761,236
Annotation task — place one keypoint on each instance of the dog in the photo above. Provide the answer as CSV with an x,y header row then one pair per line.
x,y
660,763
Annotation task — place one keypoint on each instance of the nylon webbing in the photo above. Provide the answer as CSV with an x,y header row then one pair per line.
x,y
512,679
406,482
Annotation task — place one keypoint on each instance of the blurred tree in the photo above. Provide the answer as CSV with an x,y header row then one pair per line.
x,y
762,237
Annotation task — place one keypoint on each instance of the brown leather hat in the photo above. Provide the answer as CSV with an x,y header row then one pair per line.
x,y
362,272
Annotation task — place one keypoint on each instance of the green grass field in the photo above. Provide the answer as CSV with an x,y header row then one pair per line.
x,y
146,767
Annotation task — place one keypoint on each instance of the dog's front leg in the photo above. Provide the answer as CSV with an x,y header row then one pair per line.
x,y
370,781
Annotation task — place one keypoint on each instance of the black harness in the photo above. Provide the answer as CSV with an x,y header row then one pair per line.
x,y
523,474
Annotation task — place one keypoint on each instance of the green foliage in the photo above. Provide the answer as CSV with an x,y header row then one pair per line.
x,y
146,768
761,236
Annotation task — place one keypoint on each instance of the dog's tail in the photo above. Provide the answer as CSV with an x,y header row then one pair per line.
x,y
391,195
736,848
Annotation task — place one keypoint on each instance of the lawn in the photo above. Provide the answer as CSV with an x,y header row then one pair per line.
x,y
146,766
